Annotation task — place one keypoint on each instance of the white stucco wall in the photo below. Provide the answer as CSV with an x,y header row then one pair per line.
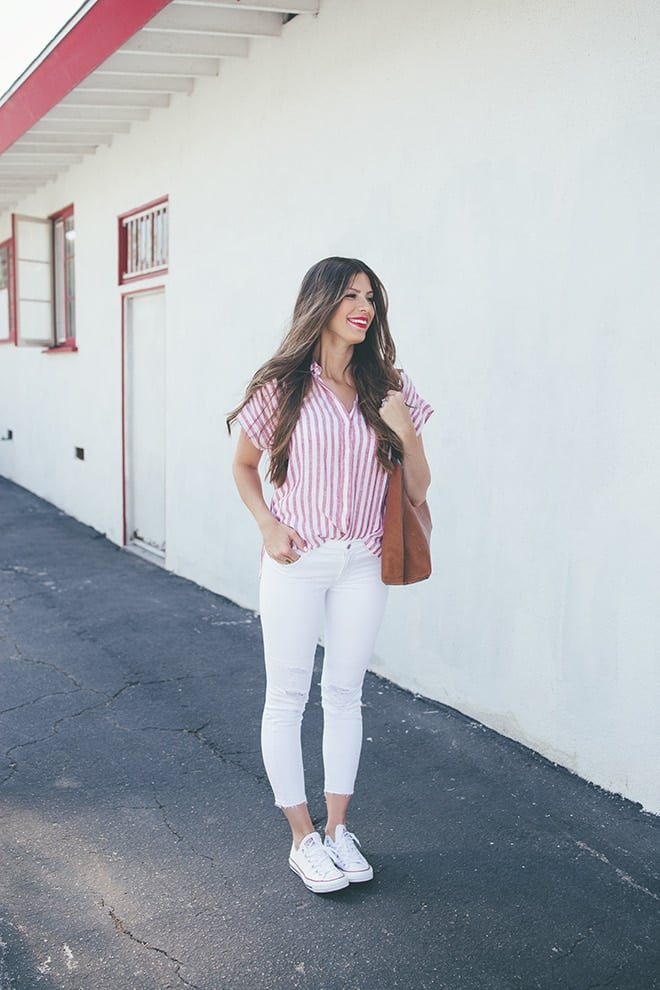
x,y
497,165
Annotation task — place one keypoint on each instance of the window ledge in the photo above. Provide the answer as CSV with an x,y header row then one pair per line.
x,y
128,279
69,348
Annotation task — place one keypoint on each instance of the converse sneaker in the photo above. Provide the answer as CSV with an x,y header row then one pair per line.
x,y
314,866
343,851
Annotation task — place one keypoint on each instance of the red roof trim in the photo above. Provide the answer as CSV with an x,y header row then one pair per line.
x,y
103,29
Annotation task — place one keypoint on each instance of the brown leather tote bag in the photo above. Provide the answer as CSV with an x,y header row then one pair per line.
x,y
406,536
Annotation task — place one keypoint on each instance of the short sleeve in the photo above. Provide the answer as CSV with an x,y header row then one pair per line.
x,y
419,408
257,418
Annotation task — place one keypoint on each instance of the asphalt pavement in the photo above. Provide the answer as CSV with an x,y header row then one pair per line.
x,y
140,848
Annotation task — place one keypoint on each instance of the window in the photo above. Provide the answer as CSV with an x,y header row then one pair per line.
x,y
64,284
144,241
43,281
7,334
33,280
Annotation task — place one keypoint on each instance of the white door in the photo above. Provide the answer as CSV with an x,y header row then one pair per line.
x,y
144,418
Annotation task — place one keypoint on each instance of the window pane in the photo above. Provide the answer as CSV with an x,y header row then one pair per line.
x,y
34,239
71,316
64,276
165,255
70,250
4,314
4,268
60,281
5,300
69,237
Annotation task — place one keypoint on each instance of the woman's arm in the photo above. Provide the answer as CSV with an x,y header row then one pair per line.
x,y
281,542
416,474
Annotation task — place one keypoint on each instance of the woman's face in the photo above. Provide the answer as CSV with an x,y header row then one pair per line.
x,y
353,316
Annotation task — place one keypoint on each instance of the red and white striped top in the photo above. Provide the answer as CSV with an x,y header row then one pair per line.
x,y
334,487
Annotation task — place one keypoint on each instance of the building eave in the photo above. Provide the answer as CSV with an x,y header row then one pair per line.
x,y
89,42
110,65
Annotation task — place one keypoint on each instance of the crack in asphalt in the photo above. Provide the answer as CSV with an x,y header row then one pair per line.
x,y
565,954
168,824
55,727
174,680
224,758
34,701
121,927
179,837
19,655
104,700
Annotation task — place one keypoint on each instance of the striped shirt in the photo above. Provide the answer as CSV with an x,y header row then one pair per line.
x,y
334,487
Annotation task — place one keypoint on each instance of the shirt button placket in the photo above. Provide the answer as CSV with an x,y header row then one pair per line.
x,y
348,480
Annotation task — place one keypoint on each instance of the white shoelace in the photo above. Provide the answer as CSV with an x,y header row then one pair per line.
x,y
347,849
318,858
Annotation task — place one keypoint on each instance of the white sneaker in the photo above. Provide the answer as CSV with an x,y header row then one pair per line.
x,y
315,867
344,852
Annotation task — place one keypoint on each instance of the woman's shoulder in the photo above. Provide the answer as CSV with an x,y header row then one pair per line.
x,y
264,392
261,400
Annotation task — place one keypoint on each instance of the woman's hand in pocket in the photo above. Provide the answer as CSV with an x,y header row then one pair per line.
x,y
282,543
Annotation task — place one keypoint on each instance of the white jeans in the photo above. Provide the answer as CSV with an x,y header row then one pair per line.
x,y
337,586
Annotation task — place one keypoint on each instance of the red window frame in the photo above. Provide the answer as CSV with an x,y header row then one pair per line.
x,y
129,251
65,288
8,245
66,285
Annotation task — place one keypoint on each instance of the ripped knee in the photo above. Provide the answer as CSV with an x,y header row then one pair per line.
x,y
342,700
290,698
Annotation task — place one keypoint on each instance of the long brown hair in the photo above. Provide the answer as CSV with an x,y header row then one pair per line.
x,y
372,364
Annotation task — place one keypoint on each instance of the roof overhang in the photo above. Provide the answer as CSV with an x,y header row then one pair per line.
x,y
109,67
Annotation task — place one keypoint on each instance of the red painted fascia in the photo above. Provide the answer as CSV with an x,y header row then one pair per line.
x,y
103,29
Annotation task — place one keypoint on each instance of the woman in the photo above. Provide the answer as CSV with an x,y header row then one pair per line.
x,y
330,409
